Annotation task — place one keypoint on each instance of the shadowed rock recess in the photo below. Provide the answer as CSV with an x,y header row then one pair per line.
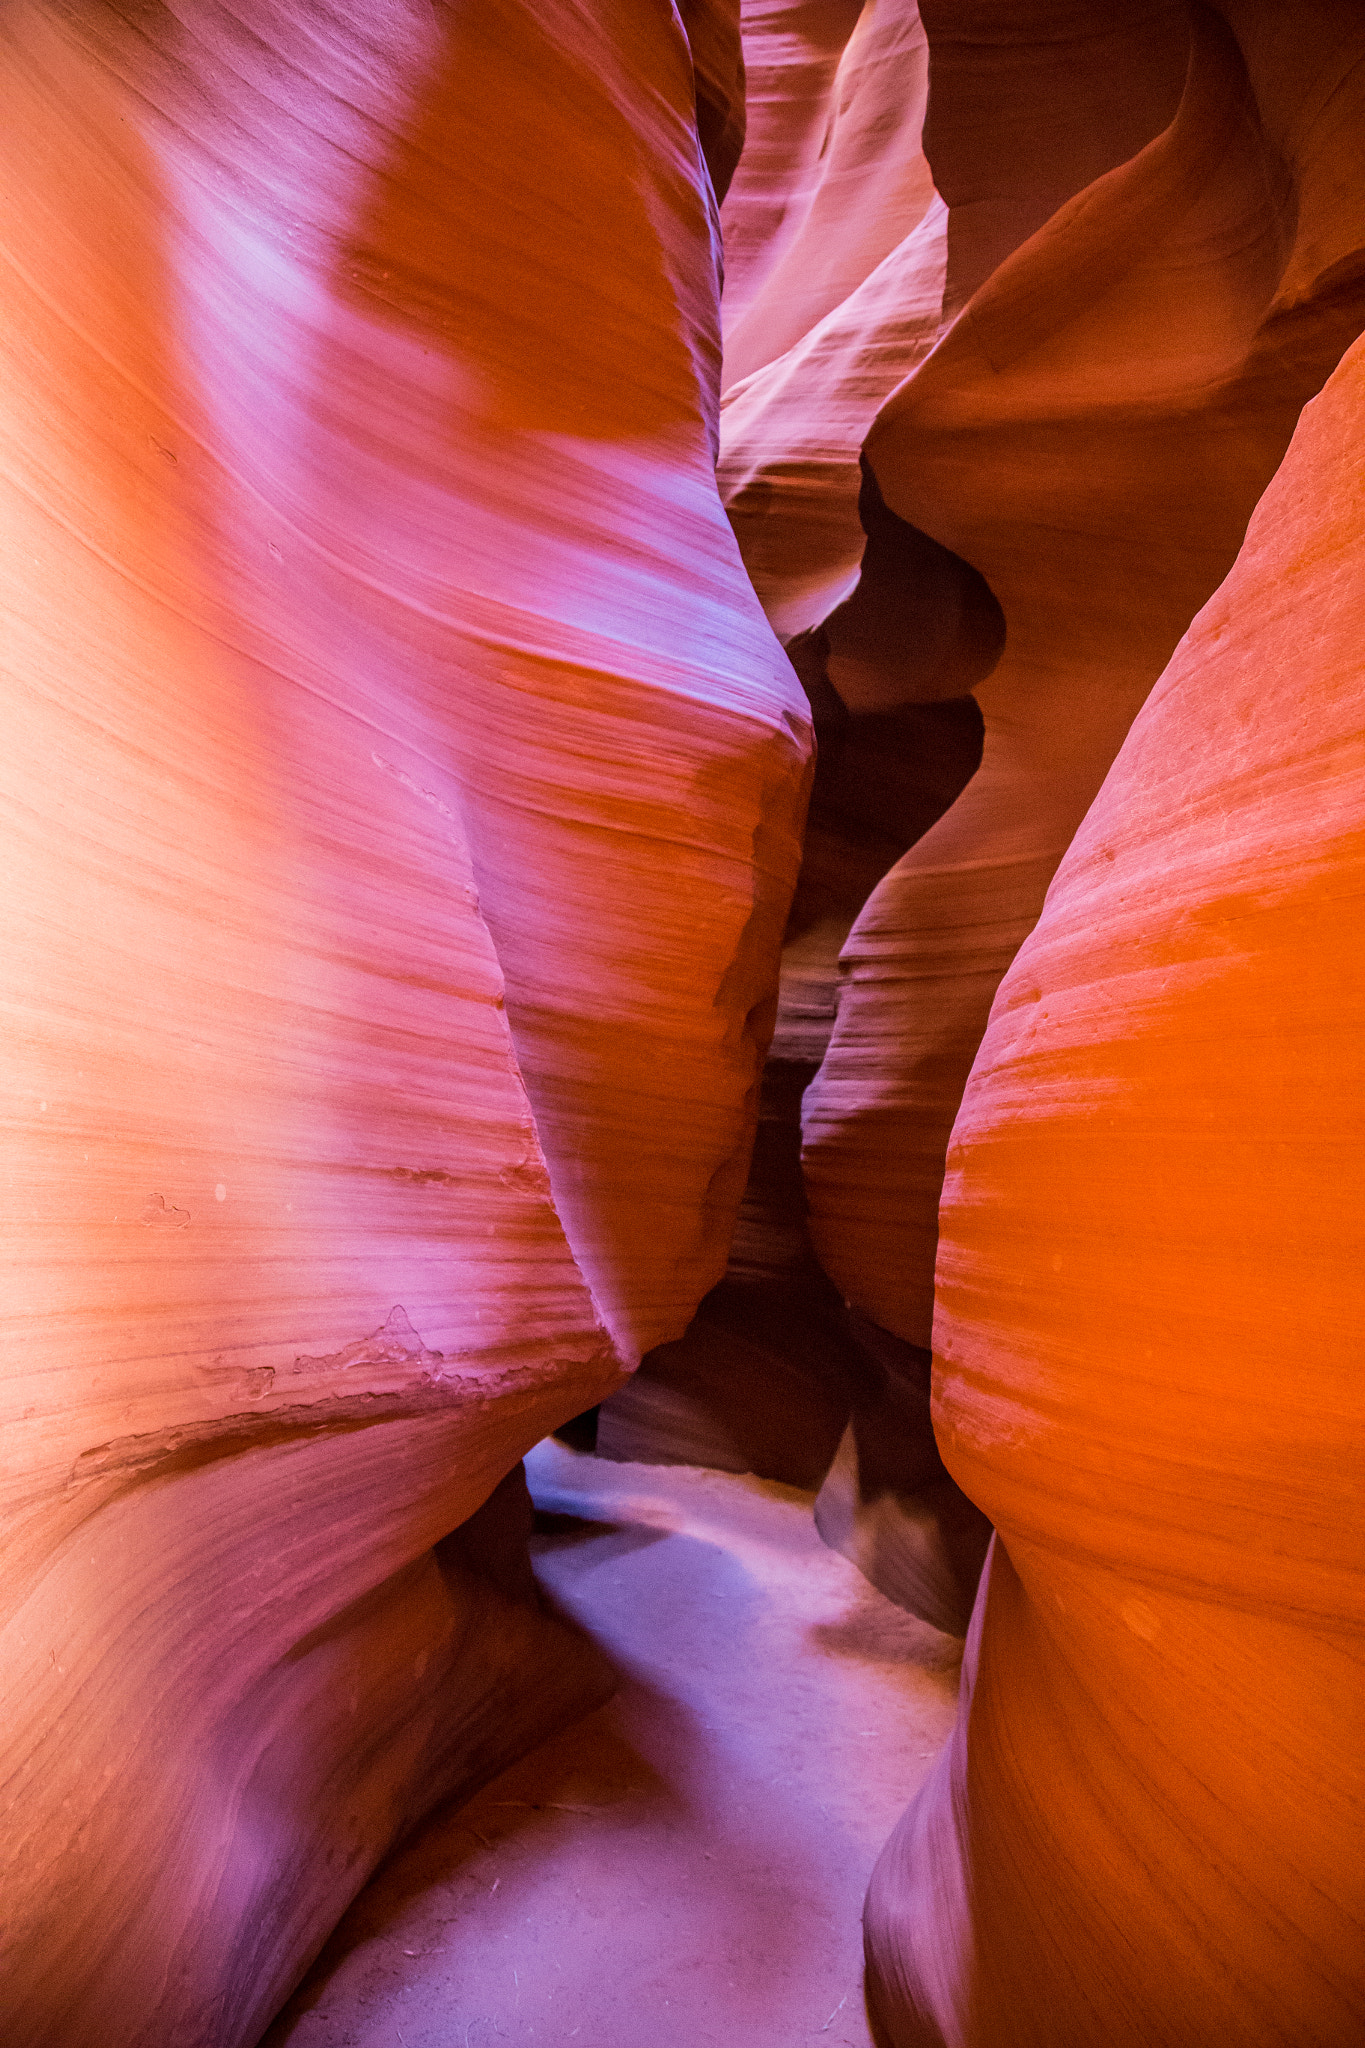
x,y
684,765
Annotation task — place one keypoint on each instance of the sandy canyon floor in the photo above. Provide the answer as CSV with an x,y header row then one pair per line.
x,y
685,1868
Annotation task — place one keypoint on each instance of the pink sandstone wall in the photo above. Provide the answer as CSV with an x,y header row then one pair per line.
x,y
404,789
1091,435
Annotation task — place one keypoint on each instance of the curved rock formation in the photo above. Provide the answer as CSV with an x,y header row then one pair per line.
x,y
763,1380
1091,435
850,301
404,788
873,186
1026,109
920,624
791,51
717,51
1147,1826
1101,484
1031,103
792,432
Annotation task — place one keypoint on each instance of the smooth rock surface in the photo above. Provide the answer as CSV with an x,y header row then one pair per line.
x,y
1092,435
831,303
868,186
791,432
402,788
850,269
1032,101
791,54
1147,1828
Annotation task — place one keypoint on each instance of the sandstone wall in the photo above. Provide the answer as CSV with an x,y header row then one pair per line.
x,y
403,789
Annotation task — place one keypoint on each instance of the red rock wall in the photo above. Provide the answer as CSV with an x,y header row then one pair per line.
x,y
842,306
1091,435
1147,1825
852,274
871,187
403,785
1031,103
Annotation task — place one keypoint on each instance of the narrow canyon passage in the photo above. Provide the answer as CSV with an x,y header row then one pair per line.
x,y
682,1023
685,1867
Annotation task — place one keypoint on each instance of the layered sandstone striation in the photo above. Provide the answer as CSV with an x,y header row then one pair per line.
x,y
1146,1827
848,269
1091,435
405,791
848,301
404,788
872,185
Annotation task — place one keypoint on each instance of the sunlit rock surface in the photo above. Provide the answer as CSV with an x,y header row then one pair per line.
x,y
835,102
1147,1825
872,185
1091,435
404,785
831,309
404,790
848,267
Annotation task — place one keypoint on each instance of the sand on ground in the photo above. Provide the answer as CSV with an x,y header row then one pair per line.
x,y
685,1868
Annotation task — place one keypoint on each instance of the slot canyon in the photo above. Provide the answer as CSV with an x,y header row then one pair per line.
x,y
682,931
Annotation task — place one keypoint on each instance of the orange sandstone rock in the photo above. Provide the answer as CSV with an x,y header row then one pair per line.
x,y
1091,436
791,433
1031,103
1147,1826
402,786
760,1381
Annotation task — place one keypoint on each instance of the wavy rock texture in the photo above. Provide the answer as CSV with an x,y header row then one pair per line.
x,y
873,184
791,50
1146,1828
404,788
850,301
1031,104
908,624
763,1379
792,432
1091,435
1017,124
